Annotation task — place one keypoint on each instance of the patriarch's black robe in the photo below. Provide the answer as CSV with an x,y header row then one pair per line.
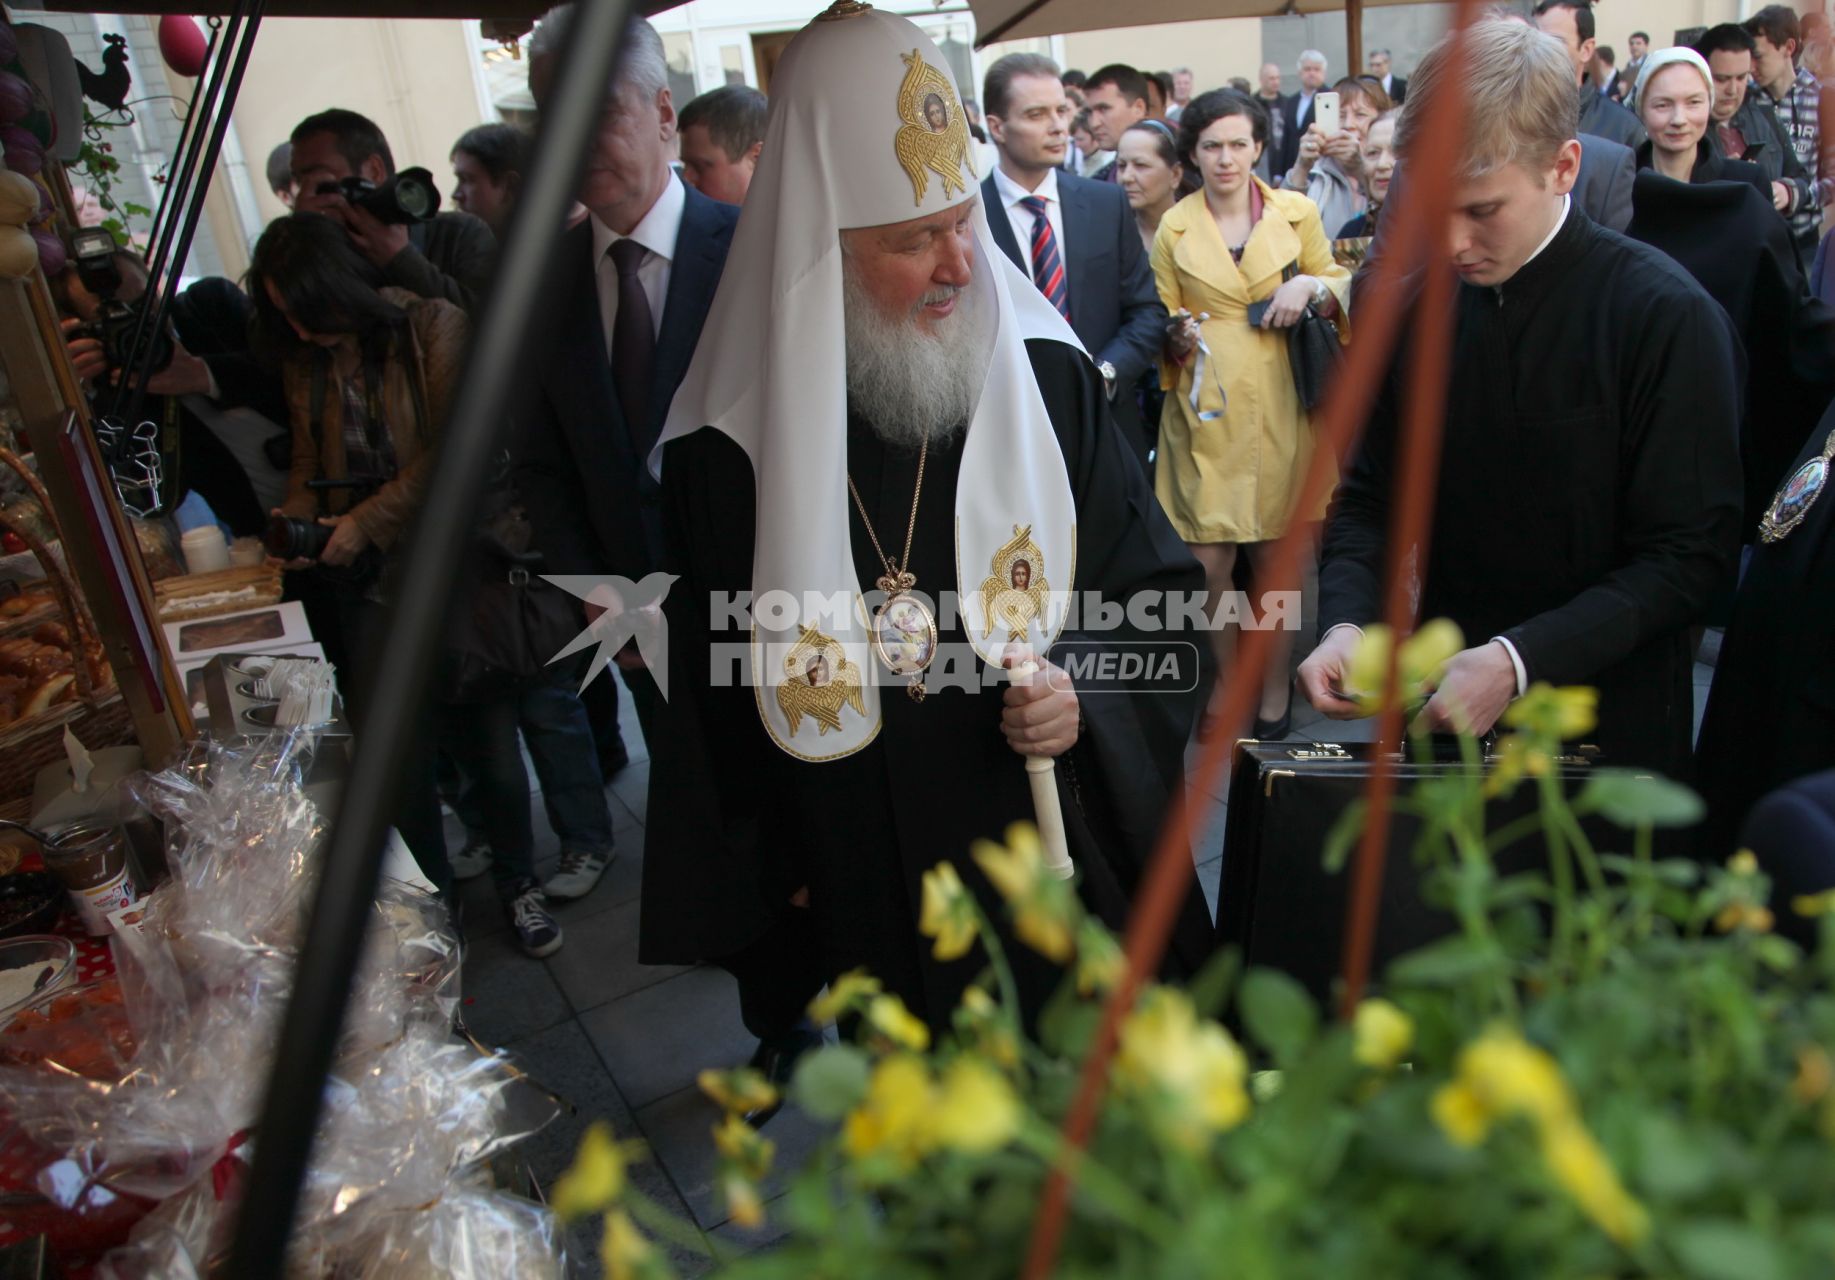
x,y
1771,715
736,825
1588,500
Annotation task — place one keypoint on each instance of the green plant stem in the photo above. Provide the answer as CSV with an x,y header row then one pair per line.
x,y
1096,1180
1003,971
660,1222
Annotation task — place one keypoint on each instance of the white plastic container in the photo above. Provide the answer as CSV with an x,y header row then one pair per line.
x,y
205,550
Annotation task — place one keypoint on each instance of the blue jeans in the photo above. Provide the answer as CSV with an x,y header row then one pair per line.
x,y
560,742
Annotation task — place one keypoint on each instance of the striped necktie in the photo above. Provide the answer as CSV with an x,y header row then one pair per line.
x,y
1047,263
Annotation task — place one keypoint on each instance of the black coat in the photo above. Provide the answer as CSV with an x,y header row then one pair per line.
x,y
1735,244
737,825
581,469
1712,166
1771,714
1588,498
1114,306
451,256
1294,122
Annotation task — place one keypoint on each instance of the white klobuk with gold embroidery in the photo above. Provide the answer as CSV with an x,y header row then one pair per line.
x,y
866,129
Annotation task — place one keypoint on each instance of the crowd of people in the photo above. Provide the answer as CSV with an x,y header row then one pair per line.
x,y
1100,333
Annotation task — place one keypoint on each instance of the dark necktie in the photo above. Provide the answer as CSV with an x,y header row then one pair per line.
x,y
1047,263
633,342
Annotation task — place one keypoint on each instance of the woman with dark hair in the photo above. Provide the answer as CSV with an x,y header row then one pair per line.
x,y
488,163
1150,173
1234,437
1329,166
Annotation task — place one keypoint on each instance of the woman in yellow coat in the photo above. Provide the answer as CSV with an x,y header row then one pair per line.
x,y
1234,437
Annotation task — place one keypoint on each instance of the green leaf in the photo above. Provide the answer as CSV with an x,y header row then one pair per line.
x,y
1634,800
1342,838
1672,1163
1278,1014
1445,963
1210,989
1722,1249
830,1081
1780,955
1676,871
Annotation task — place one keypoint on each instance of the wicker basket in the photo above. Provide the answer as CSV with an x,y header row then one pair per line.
x,y
97,715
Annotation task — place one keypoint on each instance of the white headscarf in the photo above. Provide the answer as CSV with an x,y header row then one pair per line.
x,y
848,98
1668,58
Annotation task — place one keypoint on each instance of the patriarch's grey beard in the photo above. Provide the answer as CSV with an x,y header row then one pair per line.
x,y
913,385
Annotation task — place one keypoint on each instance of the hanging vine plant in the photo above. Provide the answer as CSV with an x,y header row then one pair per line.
x,y
98,171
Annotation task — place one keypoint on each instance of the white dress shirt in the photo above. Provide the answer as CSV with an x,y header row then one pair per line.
x,y
1516,659
1011,193
657,233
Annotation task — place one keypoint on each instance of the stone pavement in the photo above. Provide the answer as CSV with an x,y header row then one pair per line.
x,y
623,1041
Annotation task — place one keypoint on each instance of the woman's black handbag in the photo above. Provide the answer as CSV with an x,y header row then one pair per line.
x,y
1313,352
509,622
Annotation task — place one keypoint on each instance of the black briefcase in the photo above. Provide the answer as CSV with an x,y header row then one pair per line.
x,y
1283,908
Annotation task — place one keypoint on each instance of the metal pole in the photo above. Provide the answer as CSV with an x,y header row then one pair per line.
x,y
502,350
1354,37
134,377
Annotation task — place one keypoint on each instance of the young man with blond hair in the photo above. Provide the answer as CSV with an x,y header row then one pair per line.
x,y
1588,500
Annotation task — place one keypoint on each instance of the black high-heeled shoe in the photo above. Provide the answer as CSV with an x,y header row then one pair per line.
x,y
1276,730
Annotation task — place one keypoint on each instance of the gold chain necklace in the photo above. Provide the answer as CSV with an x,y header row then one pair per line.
x,y
904,629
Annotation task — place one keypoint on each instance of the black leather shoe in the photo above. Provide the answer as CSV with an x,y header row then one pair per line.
x,y
1275,730
775,1059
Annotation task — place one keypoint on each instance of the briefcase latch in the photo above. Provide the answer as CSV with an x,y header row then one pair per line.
x,y
1321,751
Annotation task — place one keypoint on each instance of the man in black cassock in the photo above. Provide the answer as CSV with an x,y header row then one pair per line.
x,y
1588,498
859,352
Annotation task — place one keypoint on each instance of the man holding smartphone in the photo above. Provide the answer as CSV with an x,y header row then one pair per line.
x,y
1588,500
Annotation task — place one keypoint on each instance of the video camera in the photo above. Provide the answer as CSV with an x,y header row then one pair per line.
x,y
406,197
93,250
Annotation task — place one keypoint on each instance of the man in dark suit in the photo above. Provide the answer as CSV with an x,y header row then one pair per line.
x,y
639,274
1297,111
1607,172
1571,22
1382,66
1076,238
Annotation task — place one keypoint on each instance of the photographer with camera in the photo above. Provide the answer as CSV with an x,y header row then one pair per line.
x,y
216,450
342,168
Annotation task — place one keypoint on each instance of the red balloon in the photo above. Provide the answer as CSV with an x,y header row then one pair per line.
x,y
182,45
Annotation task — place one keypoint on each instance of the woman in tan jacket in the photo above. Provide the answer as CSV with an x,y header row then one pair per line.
x,y
1234,437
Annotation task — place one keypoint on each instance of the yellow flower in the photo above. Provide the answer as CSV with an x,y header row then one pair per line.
x,y
1518,757
743,1203
888,1016
1555,714
1744,863
1582,1170
1746,916
979,1021
1045,909
1197,1070
624,1253
1426,653
894,1117
1381,1034
1814,1074
739,1090
976,1110
1814,904
1461,1115
946,914
596,1177
844,995
1513,1077
744,1146
1100,962
1015,867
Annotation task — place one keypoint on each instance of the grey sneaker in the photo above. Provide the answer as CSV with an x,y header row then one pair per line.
x,y
473,860
538,932
579,871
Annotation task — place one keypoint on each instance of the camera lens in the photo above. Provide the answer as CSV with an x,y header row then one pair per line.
x,y
416,199
290,539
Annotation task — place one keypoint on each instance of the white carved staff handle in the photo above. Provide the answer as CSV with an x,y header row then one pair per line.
x,y
1041,772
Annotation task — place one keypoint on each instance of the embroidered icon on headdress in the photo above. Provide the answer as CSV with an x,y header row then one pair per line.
x,y
934,136
818,681
1015,591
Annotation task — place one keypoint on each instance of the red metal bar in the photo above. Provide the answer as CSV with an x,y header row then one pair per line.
x,y
1410,527
1337,428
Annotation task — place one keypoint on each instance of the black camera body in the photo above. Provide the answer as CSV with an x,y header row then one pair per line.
x,y
290,538
404,198
93,251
